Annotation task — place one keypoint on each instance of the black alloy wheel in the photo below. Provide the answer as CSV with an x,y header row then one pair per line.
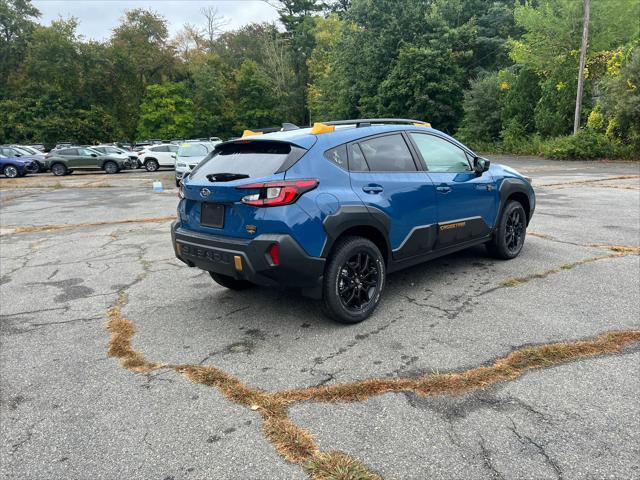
x,y
358,282
353,280
511,230
514,231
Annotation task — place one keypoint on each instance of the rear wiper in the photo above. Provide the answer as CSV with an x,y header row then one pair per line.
x,y
225,177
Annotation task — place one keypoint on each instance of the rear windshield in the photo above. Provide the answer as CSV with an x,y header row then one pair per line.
x,y
192,150
254,159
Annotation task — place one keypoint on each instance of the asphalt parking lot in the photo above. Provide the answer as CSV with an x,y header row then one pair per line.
x,y
76,249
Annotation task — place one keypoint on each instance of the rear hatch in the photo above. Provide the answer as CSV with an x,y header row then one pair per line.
x,y
215,188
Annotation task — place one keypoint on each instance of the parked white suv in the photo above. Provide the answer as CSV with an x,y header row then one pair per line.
x,y
189,155
153,157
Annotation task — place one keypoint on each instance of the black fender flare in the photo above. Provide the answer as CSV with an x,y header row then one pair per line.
x,y
508,187
353,216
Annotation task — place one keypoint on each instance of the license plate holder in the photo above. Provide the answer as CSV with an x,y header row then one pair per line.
x,y
212,215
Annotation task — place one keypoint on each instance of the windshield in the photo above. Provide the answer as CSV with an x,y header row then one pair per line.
x,y
192,150
254,159
29,150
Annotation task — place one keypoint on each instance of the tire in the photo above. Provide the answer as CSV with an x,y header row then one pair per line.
x,y
353,281
111,167
10,171
230,282
151,165
59,169
510,234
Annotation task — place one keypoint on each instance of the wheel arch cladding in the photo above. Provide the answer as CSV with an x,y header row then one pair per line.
x,y
358,220
515,189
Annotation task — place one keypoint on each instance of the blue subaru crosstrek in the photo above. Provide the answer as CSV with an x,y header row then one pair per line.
x,y
332,209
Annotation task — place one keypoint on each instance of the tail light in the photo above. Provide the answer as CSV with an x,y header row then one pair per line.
x,y
140,152
46,156
274,194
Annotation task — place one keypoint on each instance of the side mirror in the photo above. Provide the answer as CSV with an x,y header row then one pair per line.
x,y
18,154
481,165
173,155
94,154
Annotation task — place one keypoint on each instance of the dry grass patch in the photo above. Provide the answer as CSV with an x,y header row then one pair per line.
x,y
295,444
510,367
514,282
122,332
591,181
53,228
338,466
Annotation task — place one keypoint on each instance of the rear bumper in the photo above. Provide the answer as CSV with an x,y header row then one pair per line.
x,y
217,254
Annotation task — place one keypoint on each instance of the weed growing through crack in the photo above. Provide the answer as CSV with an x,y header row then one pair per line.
x,y
297,445
53,228
514,282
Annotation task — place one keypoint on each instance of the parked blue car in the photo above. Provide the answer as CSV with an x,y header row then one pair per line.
x,y
12,167
333,209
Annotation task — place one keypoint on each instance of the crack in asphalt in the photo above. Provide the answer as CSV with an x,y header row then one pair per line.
x,y
296,445
588,182
526,440
52,228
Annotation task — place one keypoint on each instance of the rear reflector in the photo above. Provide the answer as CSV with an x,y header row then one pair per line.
x,y
274,253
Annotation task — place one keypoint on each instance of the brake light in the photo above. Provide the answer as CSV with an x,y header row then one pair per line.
x,y
141,152
274,194
274,253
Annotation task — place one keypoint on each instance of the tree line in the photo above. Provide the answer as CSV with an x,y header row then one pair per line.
x,y
500,74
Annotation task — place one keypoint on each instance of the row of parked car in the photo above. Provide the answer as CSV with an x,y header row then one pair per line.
x,y
20,160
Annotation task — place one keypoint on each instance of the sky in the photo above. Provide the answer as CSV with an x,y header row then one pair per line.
x,y
99,17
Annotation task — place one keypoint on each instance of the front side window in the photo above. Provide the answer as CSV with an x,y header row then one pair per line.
x,y
440,155
389,153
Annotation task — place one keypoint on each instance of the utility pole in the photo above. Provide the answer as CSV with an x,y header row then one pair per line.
x,y
583,58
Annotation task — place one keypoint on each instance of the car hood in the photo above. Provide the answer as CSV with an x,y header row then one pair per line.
x,y
24,159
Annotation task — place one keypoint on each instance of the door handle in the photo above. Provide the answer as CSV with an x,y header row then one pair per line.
x,y
443,189
372,189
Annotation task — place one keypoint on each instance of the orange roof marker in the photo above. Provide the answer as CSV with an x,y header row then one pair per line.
x,y
249,133
428,125
319,128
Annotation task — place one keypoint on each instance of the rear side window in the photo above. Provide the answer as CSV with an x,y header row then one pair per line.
x,y
250,159
337,155
69,151
389,153
357,163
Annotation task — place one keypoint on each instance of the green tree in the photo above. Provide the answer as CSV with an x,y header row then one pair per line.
x,y
16,26
166,112
424,84
483,104
620,102
254,98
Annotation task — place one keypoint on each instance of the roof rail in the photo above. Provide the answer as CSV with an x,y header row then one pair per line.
x,y
367,122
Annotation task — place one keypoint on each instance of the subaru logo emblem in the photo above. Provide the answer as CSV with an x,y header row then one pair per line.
x,y
205,192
